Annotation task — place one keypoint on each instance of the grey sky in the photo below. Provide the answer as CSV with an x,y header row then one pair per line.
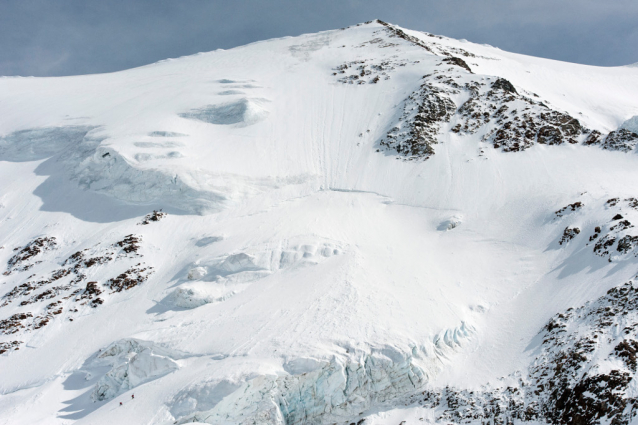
x,y
66,37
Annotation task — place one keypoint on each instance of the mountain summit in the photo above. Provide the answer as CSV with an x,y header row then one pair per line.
x,y
367,225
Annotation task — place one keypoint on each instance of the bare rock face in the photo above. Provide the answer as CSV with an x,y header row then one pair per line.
x,y
503,84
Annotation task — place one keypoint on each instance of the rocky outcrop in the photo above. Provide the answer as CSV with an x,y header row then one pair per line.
x,y
508,119
417,131
583,374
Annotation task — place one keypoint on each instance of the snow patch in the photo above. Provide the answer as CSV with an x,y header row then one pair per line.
x,y
242,112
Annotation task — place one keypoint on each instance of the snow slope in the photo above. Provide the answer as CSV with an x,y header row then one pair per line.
x,y
349,218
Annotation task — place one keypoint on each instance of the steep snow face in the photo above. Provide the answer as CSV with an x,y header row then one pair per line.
x,y
320,229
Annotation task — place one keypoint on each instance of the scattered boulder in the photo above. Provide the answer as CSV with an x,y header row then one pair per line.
x,y
458,62
503,84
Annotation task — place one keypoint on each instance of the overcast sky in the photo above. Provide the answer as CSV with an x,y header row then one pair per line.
x,y
67,37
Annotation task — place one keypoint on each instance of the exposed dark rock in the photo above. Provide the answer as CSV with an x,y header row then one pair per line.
x,y
563,385
612,202
14,323
503,84
458,62
569,208
603,245
129,279
569,234
396,32
9,346
621,225
593,138
21,260
620,140
130,244
90,293
423,114
154,216
627,243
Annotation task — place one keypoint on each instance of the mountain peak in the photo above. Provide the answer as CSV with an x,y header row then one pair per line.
x,y
376,225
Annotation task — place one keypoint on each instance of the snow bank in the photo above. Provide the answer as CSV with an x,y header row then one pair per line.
x,y
195,296
242,112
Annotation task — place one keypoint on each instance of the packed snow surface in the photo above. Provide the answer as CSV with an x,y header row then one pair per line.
x,y
314,229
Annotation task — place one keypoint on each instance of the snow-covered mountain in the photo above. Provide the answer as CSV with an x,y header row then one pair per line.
x,y
368,225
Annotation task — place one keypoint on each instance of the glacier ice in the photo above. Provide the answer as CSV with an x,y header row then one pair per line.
x,y
337,390
631,124
134,362
40,143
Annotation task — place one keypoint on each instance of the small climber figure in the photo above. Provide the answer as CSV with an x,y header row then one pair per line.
x,y
132,395
120,403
